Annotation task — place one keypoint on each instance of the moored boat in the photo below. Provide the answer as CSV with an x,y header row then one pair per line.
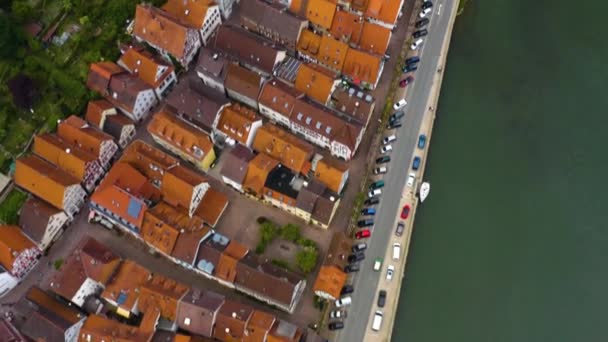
x,y
425,188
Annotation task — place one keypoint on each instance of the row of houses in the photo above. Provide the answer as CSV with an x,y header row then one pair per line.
x,y
332,278
94,285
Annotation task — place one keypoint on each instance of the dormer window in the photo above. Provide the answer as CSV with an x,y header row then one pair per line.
x,y
328,129
308,120
318,125
300,116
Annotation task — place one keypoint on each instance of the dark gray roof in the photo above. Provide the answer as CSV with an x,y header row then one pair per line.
x,y
272,21
236,163
212,63
34,218
280,180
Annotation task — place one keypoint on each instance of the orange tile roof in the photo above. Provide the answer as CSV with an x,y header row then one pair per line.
x,y
279,96
226,268
236,250
231,320
315,81
321,12
259,168
163,293
258,326
290,150
67,157
384,10
178,185
298,7
309,44
330,280
330,172
192,12
99,329
235,121
332,52
374,38
12,243
161,29
43,179
78,132
359,5
243,81
95,110
180,135
212,206
52,306
149,160
187,245
362,66
146,66
123,288
347,26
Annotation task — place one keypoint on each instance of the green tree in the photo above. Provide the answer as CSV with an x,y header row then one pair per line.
x,y
306,259
290,232
10,37
22,10
268,231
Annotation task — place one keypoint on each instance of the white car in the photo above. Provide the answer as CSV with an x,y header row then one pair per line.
x,y
389,273
337,314
410,179
389,139
380,170
386,149
344,301
415,45
400,104
424,12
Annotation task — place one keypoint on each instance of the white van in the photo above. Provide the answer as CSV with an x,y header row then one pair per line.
x,y
344,301
415,45
375,192
396,251
389,139
377,323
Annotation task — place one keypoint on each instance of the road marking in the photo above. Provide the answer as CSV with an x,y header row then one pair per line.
x,y
439,9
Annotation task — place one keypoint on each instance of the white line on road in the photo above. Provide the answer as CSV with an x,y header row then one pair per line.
x,y
439,10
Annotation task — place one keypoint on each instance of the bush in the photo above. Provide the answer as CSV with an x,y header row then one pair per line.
x,y
9,209
57,264
306,259
290,232
261,219
268,232
281,263
306,243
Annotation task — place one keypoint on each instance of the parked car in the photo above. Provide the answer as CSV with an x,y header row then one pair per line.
x,y
400,229
420,33
424,12
387,56
383,160
405,212
365,223
362,234
368,211
412,60
415,45
394,124
372,201
356,257
337,314
389,272
396,251
376,185
378,264
410,68
381,298
359,247
421,141
380,170
336,325
350,268
347,289
344,301
410,179
422,23
416,163
374,193
389,139
404,82
427,4
386,149
396,116
399,104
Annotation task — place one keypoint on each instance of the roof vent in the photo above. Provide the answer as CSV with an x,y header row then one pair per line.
x,y
67,150
215,56
186,12
332,198
138,62
357,104
234,315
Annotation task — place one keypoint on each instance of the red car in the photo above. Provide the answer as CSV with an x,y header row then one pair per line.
x,y
405,212
406,81
365,233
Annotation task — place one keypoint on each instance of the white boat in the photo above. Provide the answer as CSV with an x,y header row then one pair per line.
x,y
425,188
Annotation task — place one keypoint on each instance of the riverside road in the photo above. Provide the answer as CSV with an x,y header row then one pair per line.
x,y
417,95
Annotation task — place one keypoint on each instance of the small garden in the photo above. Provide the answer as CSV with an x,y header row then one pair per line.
x,y
9,208
307,251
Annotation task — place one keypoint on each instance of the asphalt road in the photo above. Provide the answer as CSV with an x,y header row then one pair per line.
x,y
366,281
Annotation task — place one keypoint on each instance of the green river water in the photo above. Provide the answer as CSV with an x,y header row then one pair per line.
x,y
512,243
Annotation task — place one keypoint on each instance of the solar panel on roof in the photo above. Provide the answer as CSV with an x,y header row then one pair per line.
x,y
205,266
134,208
122,297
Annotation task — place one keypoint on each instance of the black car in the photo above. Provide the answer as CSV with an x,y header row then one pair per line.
x,y
365,223
381,298
427,4
359,247
396,116
420,33
422,23
410,67
394,124
412,60
356,257
400,229
383,160
351,268
372,201
347,289
336,325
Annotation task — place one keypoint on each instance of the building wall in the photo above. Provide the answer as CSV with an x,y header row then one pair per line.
x,y
111,217
107,151
73,199
210,24
202,164
53,229
161,90
25,261
193,43
238,187
71,334
225,7
7,283
304,215
340,150
93,171
279,200
310,135
274,115
252,132
212,82
197,195
143,103
253,103
88,287
126,135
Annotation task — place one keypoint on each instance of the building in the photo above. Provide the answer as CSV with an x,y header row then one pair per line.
x,y
352,28
257,173
374,38
331,172
156,72
316,82
324,50
103,115
277,100
197,104
18,254
226,7
9,331
203,15
281,188
272,21
50,183
354,102
289,150
197,312
7,283
42,222
250,50
259,325
100,329
184,188
51,319
74,161
237,124
331,277
384,12
164,294
126,91
321,13
85,272
317,204
166,33
243,85
184,140
235,165
362,68
283,331
212,67
231,321
122,291
77,132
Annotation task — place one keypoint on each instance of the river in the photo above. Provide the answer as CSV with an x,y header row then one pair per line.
x,y
512,243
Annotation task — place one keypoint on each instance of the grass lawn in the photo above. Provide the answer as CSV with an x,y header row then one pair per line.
x,y
9,209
